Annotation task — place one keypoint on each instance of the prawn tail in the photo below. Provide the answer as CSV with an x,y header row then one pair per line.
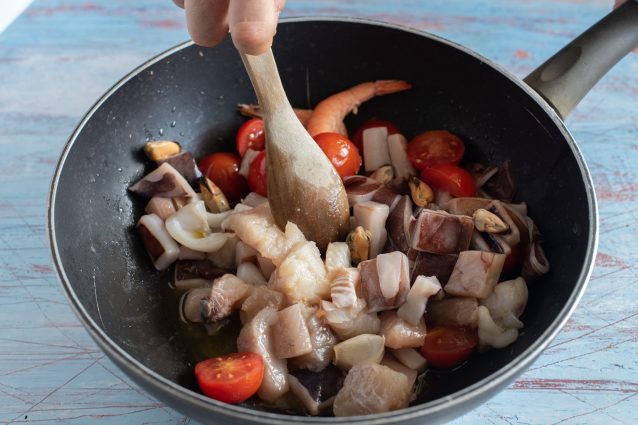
x,y
382,87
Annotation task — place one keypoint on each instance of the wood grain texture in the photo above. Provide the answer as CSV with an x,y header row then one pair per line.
x,y
60,56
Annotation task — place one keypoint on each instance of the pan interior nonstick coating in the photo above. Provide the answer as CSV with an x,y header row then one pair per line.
x,y
190,96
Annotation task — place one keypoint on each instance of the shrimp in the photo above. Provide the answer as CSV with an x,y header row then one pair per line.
x,y
254,111
329,114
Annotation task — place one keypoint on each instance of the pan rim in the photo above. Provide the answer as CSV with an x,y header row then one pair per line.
x,y
449,406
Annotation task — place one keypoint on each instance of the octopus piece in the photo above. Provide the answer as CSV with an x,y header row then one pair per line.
x,y
475,274
453,312
438,232
466,205
165,181
398,333
440,266
398,224
185,164
385,281
159,244
256,337
316,390
535,263
195,273
387,196
372,388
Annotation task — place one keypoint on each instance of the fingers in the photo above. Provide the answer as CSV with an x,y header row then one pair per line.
x,y
180,3
252,24
207,21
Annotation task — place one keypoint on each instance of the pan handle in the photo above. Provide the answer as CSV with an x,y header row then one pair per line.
x,y
565,78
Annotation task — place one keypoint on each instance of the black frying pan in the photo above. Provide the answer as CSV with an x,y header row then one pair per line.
x,y
189,94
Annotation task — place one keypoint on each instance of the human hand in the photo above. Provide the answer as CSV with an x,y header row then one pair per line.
x,y
252,23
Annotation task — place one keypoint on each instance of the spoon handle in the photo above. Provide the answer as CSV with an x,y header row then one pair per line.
x,y
264,75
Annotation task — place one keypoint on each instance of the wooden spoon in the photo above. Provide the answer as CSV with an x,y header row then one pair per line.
x,y
303,186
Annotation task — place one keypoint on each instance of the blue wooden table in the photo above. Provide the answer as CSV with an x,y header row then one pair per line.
x,y
60,56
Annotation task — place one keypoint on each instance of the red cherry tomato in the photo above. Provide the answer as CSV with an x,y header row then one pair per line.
x,y
449,347
435,147
231,379
257,175
450,178
223,170
343,155
251,136
357,140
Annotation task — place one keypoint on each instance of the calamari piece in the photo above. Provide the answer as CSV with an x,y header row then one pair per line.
x,y
165,181
322,340
226,295
507,302
454,312
189,227
398,149
162,207
372,216
291,333
375,148
398,224
301,275
475,274
467,205
415,303
365,348
159,244
400,334
535,263
251,274
337,256
259,298
374,274
360,189
438,232
343,285
387,196
502,185
390,361
316,390
372,388
439,265
491,334
256,227
256,337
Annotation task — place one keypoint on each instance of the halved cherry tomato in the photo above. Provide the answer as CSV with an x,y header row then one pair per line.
x,y
357,140
450,178
251,136
343,155
257,175
435,147
223,170
449,347
231,379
